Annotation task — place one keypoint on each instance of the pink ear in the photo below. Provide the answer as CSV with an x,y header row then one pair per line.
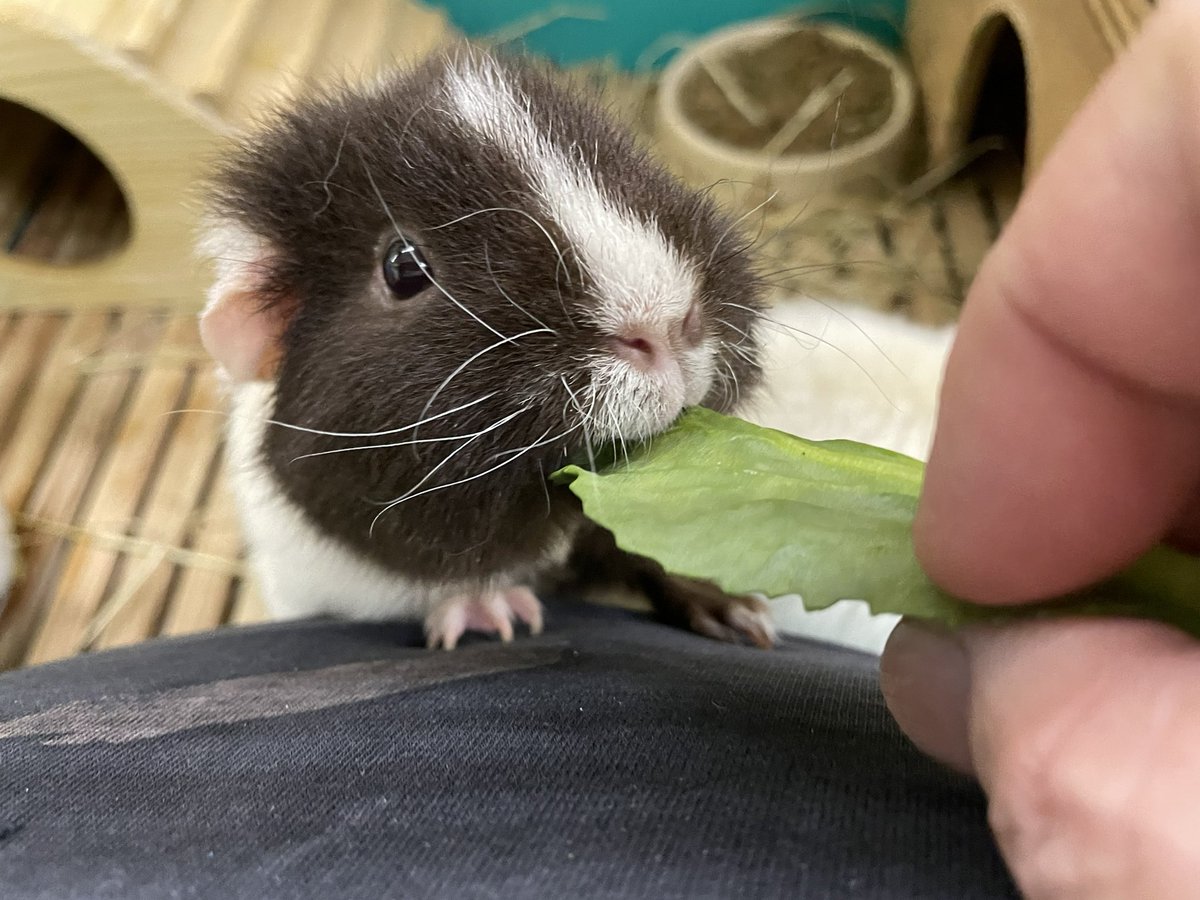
x,y
244,339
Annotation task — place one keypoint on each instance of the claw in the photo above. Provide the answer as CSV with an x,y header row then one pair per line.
x,y
725,617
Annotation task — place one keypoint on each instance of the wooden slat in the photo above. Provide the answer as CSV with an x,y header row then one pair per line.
x,y
172,517
33,432
66,485
202,596
144,27
248,606
356,44
31,339
225,50
121,483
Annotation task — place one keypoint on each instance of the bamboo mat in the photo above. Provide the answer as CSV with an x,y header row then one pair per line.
x,y
110,458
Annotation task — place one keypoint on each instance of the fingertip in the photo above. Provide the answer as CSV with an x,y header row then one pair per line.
x,y
925,679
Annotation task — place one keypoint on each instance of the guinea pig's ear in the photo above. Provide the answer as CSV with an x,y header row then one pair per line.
x,y
242,327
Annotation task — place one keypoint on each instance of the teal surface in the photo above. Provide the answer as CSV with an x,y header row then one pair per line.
x,y
640,33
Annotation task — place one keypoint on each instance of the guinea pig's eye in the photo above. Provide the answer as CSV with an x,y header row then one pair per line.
x,y
405,269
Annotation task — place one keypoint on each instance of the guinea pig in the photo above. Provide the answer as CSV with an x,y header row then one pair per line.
x,y
430,292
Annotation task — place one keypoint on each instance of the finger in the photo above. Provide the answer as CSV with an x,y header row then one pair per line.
x,y
1084,736
925,677
1070,420
1082,733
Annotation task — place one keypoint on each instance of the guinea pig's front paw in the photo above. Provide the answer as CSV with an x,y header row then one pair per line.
x,y
491,612
708,610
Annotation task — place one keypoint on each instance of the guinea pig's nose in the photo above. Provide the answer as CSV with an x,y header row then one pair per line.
x,y
642,347
651,345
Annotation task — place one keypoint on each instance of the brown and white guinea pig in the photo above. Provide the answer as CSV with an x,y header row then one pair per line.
x,y
431,292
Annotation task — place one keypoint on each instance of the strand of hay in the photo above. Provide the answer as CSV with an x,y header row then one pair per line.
x,y
523,27
732,91
132,546
813,106
173,357
111,607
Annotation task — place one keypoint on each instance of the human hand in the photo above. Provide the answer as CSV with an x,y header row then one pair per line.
x,y
1068,445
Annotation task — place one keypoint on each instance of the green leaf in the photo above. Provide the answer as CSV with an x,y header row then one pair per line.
x,y
760,511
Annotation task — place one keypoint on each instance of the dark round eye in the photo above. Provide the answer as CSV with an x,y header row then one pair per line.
x,y
405,269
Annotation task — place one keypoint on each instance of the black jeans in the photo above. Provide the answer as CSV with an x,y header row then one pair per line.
x,y
610,757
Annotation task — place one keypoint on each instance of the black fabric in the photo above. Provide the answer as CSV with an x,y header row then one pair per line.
x,y
609,757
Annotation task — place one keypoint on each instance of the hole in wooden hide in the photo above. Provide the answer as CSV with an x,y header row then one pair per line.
x,y
1001,107
59,204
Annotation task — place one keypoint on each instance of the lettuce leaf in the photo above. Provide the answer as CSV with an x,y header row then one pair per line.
x,y
759,511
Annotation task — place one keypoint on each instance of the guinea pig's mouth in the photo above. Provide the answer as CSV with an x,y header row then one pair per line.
x,y
633,395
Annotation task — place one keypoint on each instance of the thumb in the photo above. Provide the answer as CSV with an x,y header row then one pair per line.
x,y
1083,735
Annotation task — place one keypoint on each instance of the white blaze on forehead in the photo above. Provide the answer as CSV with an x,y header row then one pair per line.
x,y
640,277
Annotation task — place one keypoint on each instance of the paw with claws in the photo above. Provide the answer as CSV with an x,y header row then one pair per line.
x,y
490,612
706,609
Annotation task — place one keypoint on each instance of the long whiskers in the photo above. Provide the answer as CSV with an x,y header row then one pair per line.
x,y
801,333
433,471
409,443
837,312
587,436
515,455
512,209
735,223
372,434
507,340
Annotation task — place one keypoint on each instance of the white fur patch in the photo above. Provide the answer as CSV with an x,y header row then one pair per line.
x,y
302,571
641,277
642,280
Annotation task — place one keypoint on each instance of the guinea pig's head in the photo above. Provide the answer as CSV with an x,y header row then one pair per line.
x,y
470,245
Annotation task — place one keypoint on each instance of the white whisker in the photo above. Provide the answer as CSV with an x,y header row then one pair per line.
x,y
734,224
409,443
371,434
471,359
587,437
833,309
492,209
412,492
503,293
796,333
441,487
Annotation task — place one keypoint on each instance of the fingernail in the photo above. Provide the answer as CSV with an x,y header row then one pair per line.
x,y
926,682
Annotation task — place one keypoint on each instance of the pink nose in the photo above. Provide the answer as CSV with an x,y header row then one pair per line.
x,y
641,348
651,346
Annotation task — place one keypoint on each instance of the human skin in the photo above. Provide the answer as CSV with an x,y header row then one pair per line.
x,y
1069,444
